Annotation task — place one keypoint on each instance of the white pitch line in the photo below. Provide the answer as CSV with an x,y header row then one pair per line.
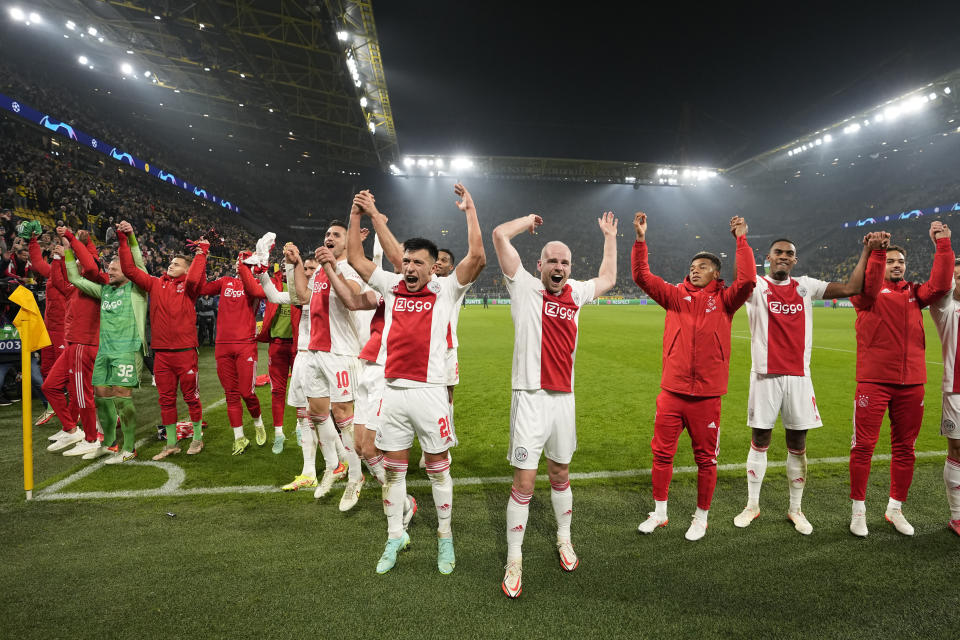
x,y
171,488
738,334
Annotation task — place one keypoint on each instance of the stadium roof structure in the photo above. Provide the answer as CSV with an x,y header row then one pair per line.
x,y
277,66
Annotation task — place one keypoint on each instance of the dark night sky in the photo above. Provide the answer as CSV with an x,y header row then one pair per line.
x,y
658,82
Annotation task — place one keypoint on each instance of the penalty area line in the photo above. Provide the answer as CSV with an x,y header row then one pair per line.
x,y
172,487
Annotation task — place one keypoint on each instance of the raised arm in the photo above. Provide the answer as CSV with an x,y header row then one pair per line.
x,y
941,273
507,254
58,272
136,275
300,291
88,287
662,292
390,247
125,229
37,264
873,274
737,293
362,204
476,258
250,286
82,255
198,268
274,295
607,277
348,291
854,285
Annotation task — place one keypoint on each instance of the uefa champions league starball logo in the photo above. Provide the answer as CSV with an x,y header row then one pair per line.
x,y
94,143
16,107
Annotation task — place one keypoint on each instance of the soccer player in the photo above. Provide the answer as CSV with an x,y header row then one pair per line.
x,y
413,348
546,317
780,311
696,364
891,370
278,331
236,352
331,363
119,361
72,371
173,333
945,312
54,312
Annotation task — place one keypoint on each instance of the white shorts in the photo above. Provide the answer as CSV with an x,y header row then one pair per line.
x,y
296,389
369,395
330,376
453,368
791,397
950,416
420,411
541,422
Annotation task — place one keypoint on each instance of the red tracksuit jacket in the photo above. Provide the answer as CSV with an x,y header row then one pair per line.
x,y
173,313
696,333
237,311
891,348
56,309
83,312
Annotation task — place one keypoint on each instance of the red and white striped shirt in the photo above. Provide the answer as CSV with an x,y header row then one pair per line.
x,y
333,327
545,331
781,324
415,328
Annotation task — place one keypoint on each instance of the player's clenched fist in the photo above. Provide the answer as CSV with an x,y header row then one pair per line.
x,y
640,225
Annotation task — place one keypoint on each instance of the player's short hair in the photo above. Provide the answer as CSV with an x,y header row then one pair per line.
x,y
956,262
415,244
712,257
184,257
448,252
894,247
336,222
311,258
782,240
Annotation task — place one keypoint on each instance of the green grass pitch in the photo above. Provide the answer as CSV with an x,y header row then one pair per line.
x,y
268,564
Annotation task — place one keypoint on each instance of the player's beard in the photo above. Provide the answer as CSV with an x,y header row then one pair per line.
x,y
780,275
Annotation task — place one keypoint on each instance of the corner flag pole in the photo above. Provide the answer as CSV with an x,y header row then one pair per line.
x,y
33,336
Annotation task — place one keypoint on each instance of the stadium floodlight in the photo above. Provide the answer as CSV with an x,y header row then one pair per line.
x,y
126,68
828,138
363,102
342,36
35,17
440,163
202,26
789,153
71,25
461,163
239,104
92,31
83,60
946,91
852,128
408,161
100,39
372,126
818,141
422,162
270,109
157,17
206,68
17,14
147,74
130,52
932,96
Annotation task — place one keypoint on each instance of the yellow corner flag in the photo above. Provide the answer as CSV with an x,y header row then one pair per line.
x,y
33,336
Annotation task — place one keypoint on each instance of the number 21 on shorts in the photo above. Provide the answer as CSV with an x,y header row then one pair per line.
x,y
444,423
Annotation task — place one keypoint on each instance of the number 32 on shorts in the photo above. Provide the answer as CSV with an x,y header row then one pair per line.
x,y
124,370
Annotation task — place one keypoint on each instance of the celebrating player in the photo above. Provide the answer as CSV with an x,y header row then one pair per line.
x,y
780,310
119,361
414,346
331,365
546,316
891,370
945,312
236,352
696,365
173,334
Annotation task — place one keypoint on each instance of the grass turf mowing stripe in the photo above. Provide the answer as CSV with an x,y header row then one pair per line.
x,y
177,475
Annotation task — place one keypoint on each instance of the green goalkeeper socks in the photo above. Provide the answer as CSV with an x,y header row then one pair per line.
x,y
107,414
198,431
171,430
128,421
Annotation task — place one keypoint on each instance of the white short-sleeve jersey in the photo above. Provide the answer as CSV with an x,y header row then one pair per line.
x,y
946,316
333,327
781,324
416,325
545,331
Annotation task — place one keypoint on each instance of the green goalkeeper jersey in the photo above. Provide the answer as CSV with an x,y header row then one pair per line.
x,y
118,324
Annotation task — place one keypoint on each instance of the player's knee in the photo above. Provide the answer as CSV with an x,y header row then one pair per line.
x,y
761,438
953,448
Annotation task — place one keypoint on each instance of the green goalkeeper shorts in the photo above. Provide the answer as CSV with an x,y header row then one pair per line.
x,y
117,369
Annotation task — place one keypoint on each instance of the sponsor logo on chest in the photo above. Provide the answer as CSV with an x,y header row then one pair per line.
x,y
785,308
557,310
111,305
230,292
411,305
